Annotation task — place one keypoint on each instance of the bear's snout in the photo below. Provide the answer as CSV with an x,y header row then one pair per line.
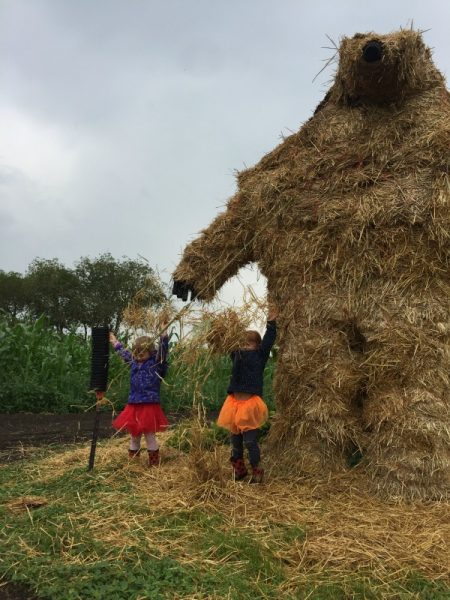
x,y
372,51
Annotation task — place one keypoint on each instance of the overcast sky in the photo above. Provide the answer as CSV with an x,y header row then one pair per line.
x,y
122,122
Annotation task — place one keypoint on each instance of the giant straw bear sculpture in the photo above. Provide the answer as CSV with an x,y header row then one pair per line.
x,y
349,220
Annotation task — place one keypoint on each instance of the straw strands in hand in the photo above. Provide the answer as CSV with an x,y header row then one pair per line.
x,y
207,333
141,318
225,331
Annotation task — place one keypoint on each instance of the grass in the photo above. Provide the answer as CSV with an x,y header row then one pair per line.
x,y
124,531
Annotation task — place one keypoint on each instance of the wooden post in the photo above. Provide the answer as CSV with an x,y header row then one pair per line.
x,y
99,396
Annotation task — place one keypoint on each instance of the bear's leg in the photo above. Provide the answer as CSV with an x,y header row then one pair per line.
x,y
406,411
408,453
316,389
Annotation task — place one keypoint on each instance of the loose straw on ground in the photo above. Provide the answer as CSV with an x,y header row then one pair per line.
x,y
335,525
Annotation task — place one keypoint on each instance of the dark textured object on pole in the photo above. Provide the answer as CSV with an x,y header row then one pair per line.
x,y
100,359
99,379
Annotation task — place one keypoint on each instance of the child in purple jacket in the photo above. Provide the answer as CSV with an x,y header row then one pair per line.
x,y
143,413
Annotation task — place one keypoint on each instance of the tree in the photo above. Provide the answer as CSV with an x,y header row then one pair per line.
x,y
53,290
108,286
13,296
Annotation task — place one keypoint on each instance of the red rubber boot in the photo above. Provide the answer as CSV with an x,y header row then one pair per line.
x,y
153,458
257,475
239,468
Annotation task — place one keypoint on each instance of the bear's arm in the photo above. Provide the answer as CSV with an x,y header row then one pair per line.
x,y
220,250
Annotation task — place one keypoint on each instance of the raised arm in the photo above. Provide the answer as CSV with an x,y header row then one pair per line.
x,y
220,251
124,353
162,354
269,339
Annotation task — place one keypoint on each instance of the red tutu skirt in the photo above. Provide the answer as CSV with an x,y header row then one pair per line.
x,y
141,418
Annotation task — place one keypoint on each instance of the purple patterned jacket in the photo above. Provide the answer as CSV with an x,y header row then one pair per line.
x,y
145,377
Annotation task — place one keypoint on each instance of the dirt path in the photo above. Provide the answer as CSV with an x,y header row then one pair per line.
x,y
21,431
16,591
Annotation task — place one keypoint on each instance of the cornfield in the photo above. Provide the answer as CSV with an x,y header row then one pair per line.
x,y
43,371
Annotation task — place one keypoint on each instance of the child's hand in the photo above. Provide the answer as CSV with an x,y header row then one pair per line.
x,y
272,312
163,327
112,338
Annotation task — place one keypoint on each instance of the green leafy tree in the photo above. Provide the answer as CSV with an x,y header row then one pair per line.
x,y
13,295
108,286
53,290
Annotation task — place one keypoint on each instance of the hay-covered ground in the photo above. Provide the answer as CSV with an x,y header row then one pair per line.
x,y
127,532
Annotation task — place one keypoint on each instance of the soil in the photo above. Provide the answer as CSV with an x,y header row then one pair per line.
x,y
16,591
19,433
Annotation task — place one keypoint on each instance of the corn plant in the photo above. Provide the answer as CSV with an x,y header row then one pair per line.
x,y
42,370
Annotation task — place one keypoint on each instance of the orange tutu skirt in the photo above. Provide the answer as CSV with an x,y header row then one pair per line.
x,y
141,418
242,415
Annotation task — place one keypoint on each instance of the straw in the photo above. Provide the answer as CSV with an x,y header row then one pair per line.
x,y
309,524
349,220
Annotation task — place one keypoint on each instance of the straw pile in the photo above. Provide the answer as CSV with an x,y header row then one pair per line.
x,y
335,525
349,219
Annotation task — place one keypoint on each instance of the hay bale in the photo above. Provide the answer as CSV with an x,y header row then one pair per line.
x,y
349,220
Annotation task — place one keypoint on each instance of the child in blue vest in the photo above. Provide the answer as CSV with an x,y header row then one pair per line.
x,y
244,410
143,413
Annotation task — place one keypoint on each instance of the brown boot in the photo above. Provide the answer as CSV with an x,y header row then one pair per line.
x,y
239,468
153,458
133,453
257,475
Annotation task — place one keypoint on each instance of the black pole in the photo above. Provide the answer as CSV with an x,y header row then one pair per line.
x,y
95,431
99,379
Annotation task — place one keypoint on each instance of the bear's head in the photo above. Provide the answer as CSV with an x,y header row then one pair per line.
x,y
378,69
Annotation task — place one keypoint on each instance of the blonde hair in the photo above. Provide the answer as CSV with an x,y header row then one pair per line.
x,y
143,344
